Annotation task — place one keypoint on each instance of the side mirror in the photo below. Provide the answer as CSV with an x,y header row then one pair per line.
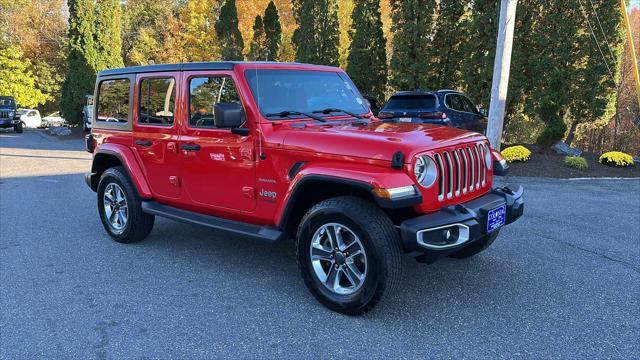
x,y
228,115
482,111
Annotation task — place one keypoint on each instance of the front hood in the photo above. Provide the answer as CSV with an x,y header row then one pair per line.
x,y
375,140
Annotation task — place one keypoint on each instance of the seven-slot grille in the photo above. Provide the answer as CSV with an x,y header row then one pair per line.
x,y
461,170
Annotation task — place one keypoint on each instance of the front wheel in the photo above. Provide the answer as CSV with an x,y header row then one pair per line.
x,y
120,207
349,254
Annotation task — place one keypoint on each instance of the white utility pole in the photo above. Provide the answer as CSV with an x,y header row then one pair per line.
x,y
501,68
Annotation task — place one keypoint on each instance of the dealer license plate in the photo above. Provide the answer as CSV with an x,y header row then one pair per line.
x,y
405,119
496,218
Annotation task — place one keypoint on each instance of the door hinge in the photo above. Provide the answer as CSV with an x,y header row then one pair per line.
x,y
174,180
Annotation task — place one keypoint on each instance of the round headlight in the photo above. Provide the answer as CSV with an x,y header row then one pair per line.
x,y
425,171
487,156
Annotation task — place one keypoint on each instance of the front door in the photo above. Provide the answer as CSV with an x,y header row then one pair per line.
x,y
218,167
155,133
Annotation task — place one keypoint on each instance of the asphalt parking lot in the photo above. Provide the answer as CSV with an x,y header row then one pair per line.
x,y
564,281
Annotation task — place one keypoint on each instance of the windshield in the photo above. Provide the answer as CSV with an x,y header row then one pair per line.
x,y
304,91
412,102
22,112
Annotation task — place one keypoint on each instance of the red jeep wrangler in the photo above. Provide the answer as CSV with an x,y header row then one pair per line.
x,y
273,151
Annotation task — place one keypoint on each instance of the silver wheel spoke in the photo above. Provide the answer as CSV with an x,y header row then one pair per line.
x,y
331,233
121,218
352,248
353,274
333,280
320,254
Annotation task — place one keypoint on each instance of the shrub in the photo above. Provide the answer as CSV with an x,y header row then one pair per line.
x,y
616,158
552,133
516,153
576,162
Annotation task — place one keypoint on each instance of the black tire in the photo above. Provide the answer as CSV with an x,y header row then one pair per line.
x,y
18,128
477,247
138,224
379,239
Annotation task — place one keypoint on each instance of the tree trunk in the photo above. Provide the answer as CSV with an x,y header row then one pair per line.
x,y
572,132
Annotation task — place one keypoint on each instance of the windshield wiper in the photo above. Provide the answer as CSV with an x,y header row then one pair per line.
x,y
289,113
328,111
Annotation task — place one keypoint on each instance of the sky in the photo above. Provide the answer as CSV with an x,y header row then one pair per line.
x,y
634,3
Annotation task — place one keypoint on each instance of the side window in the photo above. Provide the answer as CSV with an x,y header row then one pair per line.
x,y
113,101
204,93
453,102
157,101
468,105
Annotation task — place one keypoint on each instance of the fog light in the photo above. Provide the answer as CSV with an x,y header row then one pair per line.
x,y
451,235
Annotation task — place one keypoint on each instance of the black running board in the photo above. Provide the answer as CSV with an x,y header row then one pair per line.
x,y
256,232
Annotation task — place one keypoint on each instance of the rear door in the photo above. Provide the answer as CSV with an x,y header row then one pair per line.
x,y
459,117
218,166
474,120
155,132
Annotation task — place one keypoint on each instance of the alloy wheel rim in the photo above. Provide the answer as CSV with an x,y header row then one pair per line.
x,y
116,209
338,258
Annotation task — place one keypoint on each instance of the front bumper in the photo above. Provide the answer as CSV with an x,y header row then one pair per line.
x,y
424,235
7,123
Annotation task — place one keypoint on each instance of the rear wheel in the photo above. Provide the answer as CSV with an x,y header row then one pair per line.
x,y
349,254
18,128
477,247
120,207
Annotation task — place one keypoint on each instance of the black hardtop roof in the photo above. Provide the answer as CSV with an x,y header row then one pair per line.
x,y
215,65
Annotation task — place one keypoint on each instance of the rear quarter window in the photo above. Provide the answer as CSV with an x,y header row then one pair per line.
x,y
113,101
412,102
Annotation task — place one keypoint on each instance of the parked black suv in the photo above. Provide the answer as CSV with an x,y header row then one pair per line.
x,y
8,114
444,107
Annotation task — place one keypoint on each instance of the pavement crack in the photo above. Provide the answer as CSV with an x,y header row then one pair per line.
x,y
593,252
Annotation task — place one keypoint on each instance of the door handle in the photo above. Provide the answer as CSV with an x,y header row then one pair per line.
x,y
145,143
188,147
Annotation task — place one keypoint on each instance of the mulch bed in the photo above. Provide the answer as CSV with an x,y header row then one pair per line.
x,y
550,164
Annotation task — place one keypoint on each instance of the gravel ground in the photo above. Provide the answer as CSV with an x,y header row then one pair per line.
x,y
564,281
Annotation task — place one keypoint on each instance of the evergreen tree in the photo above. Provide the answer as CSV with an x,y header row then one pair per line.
x,y
445,55
273,32
480,49
317,36
258,50
109,34
412,33
367,64
593,96
81,59
229,36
